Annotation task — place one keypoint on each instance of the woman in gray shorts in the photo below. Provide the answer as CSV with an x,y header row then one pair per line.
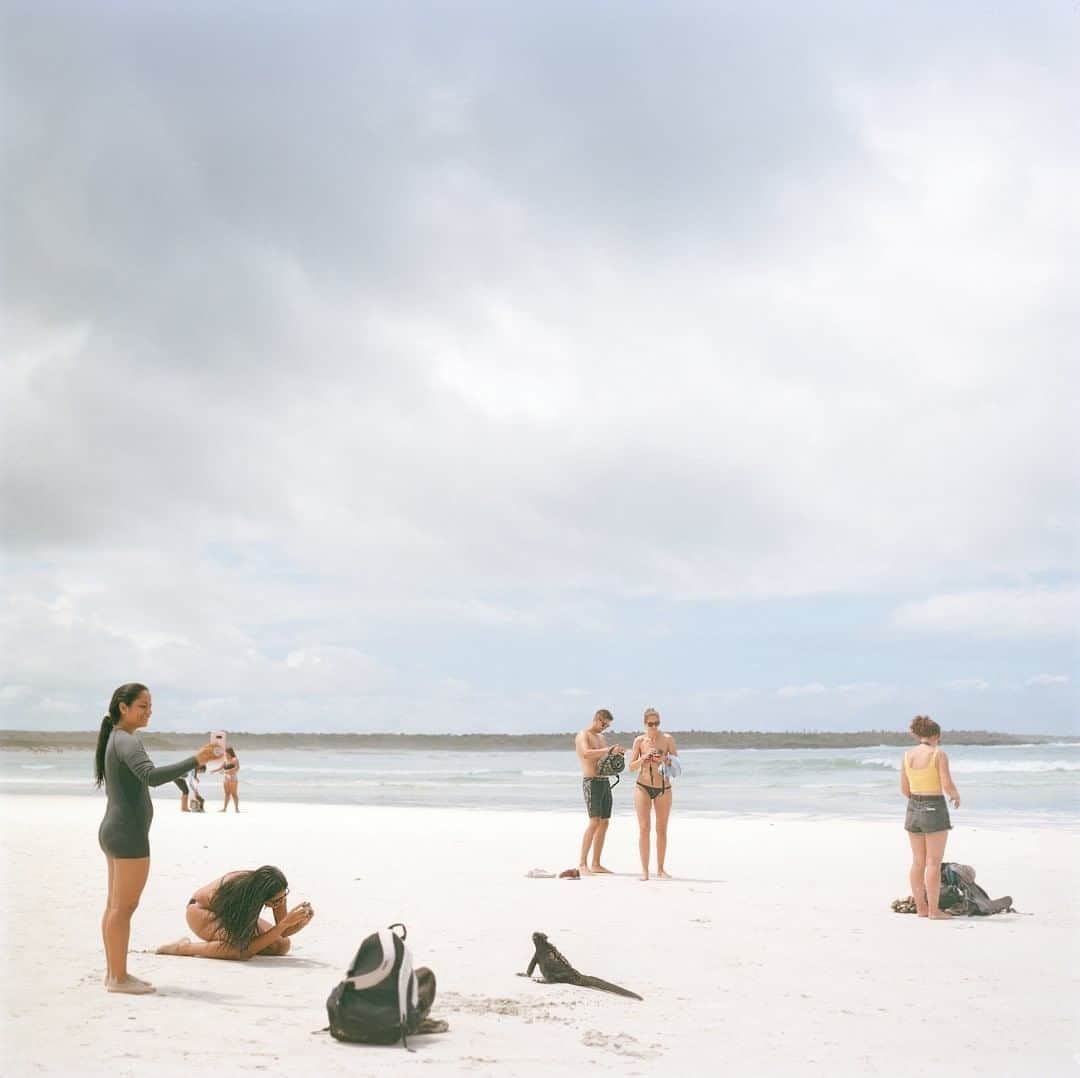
x,y
924,775
121,763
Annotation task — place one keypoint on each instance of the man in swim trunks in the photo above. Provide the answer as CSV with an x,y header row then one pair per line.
x,y
591,749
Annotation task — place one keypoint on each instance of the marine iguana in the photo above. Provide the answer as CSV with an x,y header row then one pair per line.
x,y
554,969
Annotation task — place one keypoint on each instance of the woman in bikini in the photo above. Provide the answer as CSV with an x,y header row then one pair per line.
x,y
231,778
225,916
924,774
652,791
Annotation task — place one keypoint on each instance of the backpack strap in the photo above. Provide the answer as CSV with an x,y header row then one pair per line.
x,y
382,971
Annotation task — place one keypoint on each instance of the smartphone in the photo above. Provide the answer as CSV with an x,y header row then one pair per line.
x,y
218,738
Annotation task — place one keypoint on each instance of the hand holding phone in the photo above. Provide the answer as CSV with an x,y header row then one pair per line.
x,y
218,739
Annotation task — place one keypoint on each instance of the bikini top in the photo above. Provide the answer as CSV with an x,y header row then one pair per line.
x,y
653,766
923,780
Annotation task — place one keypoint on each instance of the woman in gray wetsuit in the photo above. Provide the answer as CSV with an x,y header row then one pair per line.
x,y
127,772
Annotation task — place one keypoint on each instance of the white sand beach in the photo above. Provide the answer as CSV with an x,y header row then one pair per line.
x,y
773,952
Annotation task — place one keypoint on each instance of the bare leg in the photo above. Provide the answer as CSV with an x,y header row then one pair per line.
x,y
210,947
598,848
105,916
663,814
236,797
129,875
186,948
586,844
917,875
642,805
935,854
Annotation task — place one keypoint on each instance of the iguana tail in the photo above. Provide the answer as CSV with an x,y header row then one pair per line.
x,y
606,986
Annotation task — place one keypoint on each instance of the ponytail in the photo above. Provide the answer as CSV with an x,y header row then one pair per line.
x,y
126,694
107,725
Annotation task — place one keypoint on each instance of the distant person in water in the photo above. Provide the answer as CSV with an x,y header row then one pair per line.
x,y
230,767
121,763
224,915
591,749
652,792
924,775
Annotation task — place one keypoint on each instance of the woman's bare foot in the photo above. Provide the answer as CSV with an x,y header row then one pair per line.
x,y
128,977
599,870
177,947
941,915
661,874
644,877
129,986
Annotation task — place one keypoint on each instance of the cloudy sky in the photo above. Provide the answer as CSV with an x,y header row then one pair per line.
x,y
454,367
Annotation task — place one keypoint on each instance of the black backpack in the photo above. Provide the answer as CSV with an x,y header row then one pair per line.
x,y
379,1000
961,894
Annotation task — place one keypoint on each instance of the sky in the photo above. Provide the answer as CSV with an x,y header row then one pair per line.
x,y
453,367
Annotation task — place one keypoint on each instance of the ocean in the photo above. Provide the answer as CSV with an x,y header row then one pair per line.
x,y
997,783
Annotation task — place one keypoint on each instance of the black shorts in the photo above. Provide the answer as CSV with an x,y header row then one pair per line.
x,y
597,798
927,814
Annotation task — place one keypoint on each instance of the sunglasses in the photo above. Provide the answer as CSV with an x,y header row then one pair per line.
x,y
657,723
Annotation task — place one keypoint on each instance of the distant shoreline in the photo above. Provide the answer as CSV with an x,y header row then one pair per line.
x,y
59,740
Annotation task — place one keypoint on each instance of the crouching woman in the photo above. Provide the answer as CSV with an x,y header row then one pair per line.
x,y
225,916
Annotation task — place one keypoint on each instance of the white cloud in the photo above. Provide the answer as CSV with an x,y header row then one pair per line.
x,y
967,685
1048,679
814,688
995,613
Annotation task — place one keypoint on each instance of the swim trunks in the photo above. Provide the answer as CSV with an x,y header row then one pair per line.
x,y
598,798
927,814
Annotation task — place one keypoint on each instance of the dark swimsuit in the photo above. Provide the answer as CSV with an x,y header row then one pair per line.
x,y
125,830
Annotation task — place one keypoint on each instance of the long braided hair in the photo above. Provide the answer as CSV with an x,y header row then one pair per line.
x,y
237,903
126,695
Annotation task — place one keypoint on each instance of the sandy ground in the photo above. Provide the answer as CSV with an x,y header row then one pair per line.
x,y
774,952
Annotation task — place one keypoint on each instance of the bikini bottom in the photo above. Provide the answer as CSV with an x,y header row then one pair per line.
x,y
653,791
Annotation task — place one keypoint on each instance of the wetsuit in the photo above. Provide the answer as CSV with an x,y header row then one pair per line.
x,y
125,830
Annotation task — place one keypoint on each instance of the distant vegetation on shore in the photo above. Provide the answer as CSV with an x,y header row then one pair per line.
x,y
58,740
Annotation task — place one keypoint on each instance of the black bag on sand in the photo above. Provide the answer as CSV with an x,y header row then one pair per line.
x,y
960,894
382,999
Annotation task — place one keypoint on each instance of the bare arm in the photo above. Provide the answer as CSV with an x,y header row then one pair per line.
x,y
671,747
635,755
279,910
586,753
947,783
130,750
295,918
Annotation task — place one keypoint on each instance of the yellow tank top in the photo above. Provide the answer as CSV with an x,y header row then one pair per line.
x,y
923,780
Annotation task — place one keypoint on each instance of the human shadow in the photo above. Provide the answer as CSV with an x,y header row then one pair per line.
x,y
200,995
652,877
285,961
